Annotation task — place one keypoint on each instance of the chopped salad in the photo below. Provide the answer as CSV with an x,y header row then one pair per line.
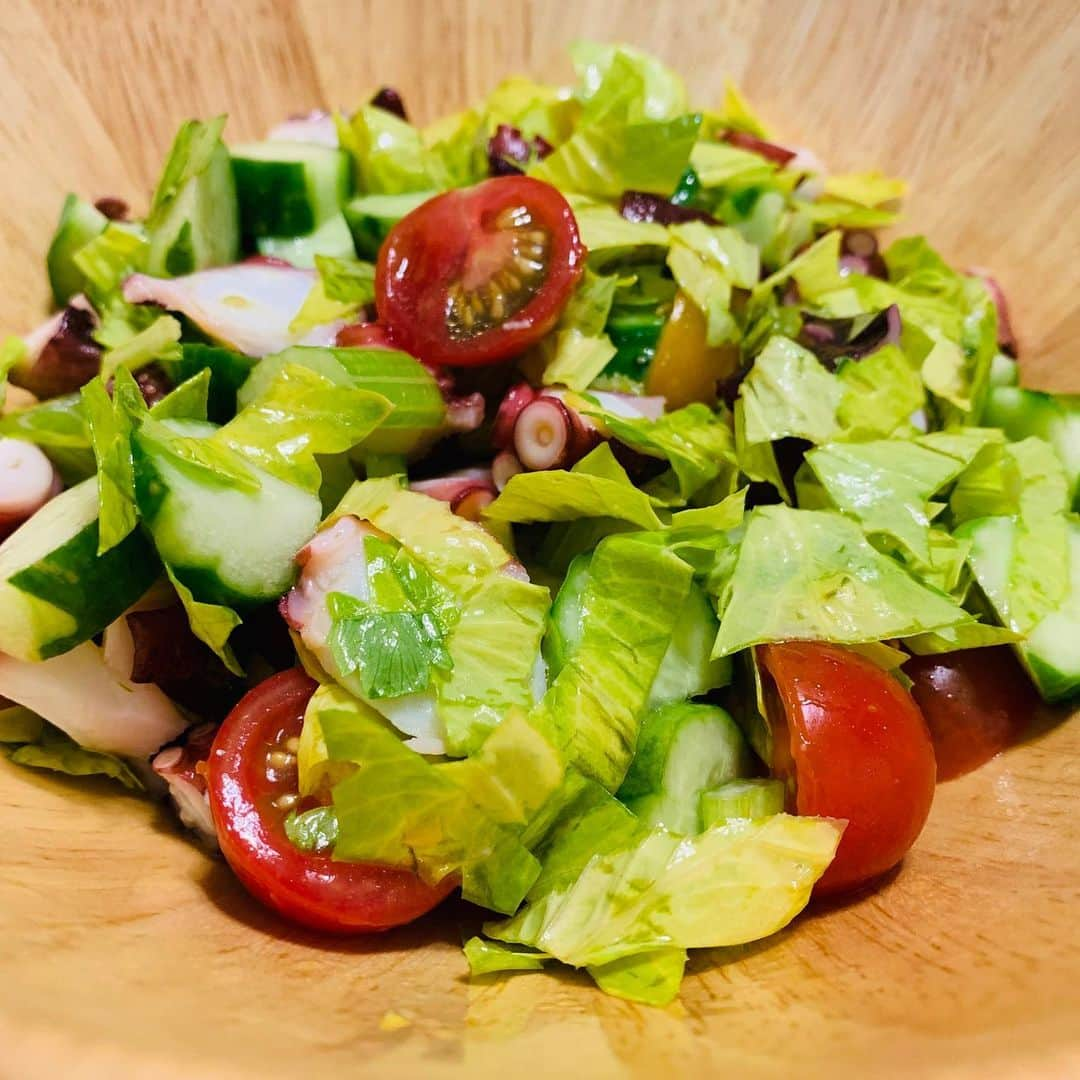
x,y
571,503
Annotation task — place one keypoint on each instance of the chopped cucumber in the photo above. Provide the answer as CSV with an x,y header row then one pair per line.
x,y
55,590
198,228
331,238
1020,413
419,409
371,217
741,799
79,224
687,668
683,750
1051,652
288,189
228,545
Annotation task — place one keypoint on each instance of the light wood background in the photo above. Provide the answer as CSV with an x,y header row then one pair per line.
x,y
125,952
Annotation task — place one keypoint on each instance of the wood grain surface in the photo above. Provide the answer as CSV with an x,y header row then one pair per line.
x,y
126,952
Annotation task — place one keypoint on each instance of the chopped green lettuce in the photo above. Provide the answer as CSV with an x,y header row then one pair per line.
x,y
489,957
159,341
212,624
708,261
581,492
389,155
343,288
812,575
657,92
652,977
298,415
33,742
732,884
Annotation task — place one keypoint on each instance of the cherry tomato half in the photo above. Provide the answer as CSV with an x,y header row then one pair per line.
x,y
252,783
478,275
976,703
859,749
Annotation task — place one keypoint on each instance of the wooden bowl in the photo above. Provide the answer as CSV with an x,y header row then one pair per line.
x,y
126,952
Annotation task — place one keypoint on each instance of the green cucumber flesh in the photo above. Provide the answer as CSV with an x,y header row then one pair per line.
x,y
229,546
1051,651
331,238
741,799
55,590
201,228
288,189
79,224
371,217
1021,413
683,750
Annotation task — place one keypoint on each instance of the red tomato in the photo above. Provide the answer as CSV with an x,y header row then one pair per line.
x,y
478,275
250,797
371,335
859,749
976,703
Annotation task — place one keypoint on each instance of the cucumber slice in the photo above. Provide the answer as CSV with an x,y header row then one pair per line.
x,y
687,668
55,590
79,224
1051,652
227,545
1020,413
200,228
331,238
683,750
741,799
371,217
288,188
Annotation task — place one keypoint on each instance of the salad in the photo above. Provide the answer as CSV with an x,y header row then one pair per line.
x,y
571,504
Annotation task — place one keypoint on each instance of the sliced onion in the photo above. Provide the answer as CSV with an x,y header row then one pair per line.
x,y
315,127
248,307
543,434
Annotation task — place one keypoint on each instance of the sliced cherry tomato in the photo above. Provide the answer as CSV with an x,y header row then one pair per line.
x,y
252,783
857,747
478,275
366,335
976,703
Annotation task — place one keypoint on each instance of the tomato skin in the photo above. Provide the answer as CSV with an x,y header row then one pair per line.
x,y
428,251
860,750
311,889
976,702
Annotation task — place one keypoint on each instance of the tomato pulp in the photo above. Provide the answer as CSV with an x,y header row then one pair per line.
x,y
852,744
252,784
477,275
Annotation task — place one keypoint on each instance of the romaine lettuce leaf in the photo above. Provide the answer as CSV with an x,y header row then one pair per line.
x,y
602,69
867,189
419,411
597,486
816,271
111,422
534,108
398,808
812,575
634,596
43,746
212,624
579,349
732,884
459,143
389,155
298,415
344,286
159,341
652,977
609,237
887,486
708,261
737,115
881,393
489,957
696,441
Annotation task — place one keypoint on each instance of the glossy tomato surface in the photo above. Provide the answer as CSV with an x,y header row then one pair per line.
x,y
976,702
252,783
477,275
856,747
